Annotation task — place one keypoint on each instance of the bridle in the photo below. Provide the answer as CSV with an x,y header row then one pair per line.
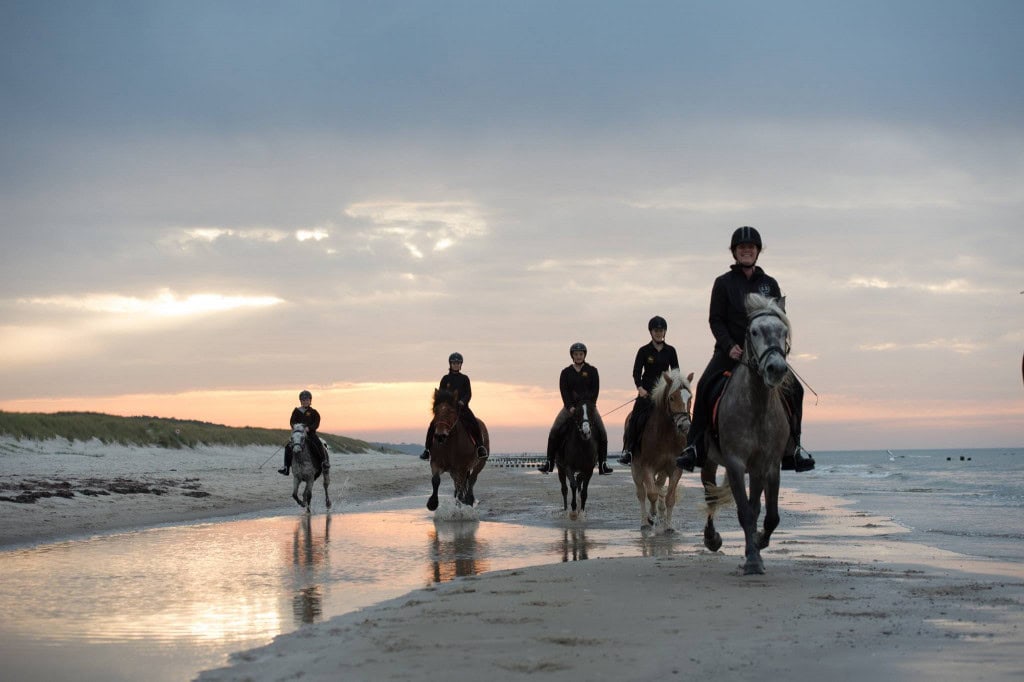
x,y
748,358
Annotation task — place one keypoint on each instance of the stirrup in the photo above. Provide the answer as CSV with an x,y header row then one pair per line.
x,y
547,467
801,463
481,452
626,458
283,471
425,455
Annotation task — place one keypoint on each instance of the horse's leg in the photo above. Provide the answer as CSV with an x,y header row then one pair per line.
x,y
735,470
771,510
295,489
651,490
564,486
307,496
584,485
471,482
574,484
435,481
670,498
641,496
708,473
327,483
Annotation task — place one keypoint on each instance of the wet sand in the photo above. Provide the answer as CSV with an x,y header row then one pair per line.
x,y
843,595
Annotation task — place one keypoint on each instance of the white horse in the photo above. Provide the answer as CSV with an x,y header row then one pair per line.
x,y
304,470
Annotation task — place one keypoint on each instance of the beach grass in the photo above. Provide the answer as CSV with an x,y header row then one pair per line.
x,y
154,431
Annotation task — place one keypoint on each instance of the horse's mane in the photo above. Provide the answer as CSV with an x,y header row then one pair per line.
x,y
664,388
443,396
756,303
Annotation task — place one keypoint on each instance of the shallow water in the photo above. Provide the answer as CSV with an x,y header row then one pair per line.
x,y
168,602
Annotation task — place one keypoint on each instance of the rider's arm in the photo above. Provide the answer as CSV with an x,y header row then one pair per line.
x,y
718,316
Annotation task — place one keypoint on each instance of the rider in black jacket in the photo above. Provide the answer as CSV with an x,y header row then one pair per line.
x,y
306,415
728,320
651,361
455,381
578,383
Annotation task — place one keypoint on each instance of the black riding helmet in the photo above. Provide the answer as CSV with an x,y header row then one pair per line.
x,y
657,322
305,395
578,346
454,357
745,235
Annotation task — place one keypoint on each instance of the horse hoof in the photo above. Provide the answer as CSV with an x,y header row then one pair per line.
x,y
713,543
646,528
573,516
670,531
753,567
432,504
328,504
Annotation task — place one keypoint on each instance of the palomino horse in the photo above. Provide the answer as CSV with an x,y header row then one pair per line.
x,y
453,450
753,429
663,438
304,470
576,458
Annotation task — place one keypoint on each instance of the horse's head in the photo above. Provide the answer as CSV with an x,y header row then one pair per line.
x,y
298,437
672,393
446,413
582,417
768,339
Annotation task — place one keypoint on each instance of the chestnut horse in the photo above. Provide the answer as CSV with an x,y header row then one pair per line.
x,y
663,439
453,449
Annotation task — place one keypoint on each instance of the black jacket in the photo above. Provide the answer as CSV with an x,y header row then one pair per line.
x,y
650,363
583,385
728,315
457,382
311,418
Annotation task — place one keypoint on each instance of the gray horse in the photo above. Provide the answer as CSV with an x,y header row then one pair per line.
x,y
304,470
753,430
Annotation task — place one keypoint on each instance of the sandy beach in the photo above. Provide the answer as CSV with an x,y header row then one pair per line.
x,y
843,597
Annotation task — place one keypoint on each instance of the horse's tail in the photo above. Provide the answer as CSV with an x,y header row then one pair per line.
x,y
716,497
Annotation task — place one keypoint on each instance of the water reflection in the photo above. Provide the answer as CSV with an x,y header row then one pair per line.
x,y
310,559
455,551
176,600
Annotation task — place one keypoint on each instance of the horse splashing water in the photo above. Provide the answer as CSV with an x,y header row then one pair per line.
x,y
305,470
753,428
576,458
663,437
453,450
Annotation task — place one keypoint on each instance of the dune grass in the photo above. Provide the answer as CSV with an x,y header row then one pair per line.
x,y
156,431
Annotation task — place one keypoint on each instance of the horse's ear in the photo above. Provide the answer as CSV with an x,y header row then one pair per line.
x,y
781,301
689,377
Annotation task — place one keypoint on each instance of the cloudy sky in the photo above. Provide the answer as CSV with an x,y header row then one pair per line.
x,y
208,206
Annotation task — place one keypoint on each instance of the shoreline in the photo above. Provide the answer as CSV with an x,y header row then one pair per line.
x,y
847,595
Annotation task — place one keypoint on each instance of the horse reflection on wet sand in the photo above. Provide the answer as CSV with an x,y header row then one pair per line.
x,y
754,429
453,450
654,470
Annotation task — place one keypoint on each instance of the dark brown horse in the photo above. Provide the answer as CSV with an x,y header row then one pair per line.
x,y
663,438
753,431
576,458
453,450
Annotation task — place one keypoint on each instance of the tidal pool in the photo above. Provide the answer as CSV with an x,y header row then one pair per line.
x,y
165,603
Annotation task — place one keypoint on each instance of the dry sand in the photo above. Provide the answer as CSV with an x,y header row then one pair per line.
x,y
844,597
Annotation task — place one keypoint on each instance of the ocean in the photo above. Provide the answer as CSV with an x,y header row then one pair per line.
x,y
966,501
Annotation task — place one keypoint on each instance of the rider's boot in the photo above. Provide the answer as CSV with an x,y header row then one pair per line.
x,y
287,461
284,471
627,456
690,458
797,461
603,469
425,455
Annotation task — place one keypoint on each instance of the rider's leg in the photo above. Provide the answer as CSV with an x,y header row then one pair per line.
x,y
602,445
694,455
637,422
426,446
470,422
793,393
554,440
286,469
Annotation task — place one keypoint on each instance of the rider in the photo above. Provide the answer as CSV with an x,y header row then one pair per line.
x,y
728,319
651,361
457,382
579,382
308,417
